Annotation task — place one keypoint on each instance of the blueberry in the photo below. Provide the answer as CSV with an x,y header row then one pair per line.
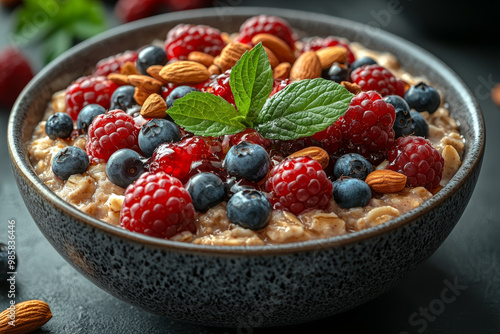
x,y
68,161
206,190
420,126
351,193
59,125
249,209
234,185
177,93
87,115
155,132
422,97
5,266
123,98
247,160
149,56
403,124
352,165
335,73
363,61
124,167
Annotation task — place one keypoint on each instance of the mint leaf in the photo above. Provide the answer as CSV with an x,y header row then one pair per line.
x,y
251,82
205,114
302,109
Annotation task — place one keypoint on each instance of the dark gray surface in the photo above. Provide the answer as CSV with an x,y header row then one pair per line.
x,y
470,256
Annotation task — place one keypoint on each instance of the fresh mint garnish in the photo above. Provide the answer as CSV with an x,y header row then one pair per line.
x,y
205,114
251,82
301,109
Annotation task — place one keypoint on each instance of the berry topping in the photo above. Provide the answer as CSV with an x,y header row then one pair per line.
x,y
317,43
15,73
124,167
123,98
206,190
249,209
155,132
186,38
247,160
176,158
420,126
87,116
352,165
219,86
109,133
418,160
88,90
330,138
403,125
264,24
337,72
422,97
299,184
68,161
379,79
8,262
177,93
114,63
59,125
150,55
367,126
157,205
278,85
362,62
350,193
248,135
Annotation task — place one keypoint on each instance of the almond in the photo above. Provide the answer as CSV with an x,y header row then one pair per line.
x,y
307,66
282,71
276,45
119,79
230,55
315,153
154,71
185,72
29,316
145,83
273,60
140,96
386,181
351,87
129,68
201,57
154,107
214,69
332,54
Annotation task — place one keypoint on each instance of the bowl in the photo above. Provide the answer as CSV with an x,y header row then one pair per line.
x,y
244,286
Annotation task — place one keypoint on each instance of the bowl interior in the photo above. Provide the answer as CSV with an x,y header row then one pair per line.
x,y
78,61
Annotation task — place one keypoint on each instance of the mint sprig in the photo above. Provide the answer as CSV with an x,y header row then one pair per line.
x,y
301,109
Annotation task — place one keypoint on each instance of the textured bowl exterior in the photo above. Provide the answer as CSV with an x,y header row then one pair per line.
x,y
238,286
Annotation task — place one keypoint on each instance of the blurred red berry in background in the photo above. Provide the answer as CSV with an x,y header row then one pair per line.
x,y
15,73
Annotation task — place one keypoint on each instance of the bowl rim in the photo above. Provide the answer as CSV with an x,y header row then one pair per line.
x,y
471,161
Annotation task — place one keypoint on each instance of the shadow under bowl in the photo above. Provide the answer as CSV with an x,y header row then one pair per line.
x,y
244,286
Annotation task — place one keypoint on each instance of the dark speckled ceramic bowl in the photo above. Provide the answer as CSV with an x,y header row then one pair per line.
x,y
239,286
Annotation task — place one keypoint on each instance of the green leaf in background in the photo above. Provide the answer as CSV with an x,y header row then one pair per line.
x,y
205,114
251,82
302,109
56,22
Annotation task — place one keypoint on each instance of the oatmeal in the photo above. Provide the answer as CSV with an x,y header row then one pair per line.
x,y
290,198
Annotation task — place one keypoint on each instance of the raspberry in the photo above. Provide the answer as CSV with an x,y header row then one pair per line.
x,y
157,205
269,25
249,135
15,73
367,126
176,158
330,138
379,79
298,185
88,90
113,64
418,160
219,86
317,43
279,84
110,132
186,38
132,10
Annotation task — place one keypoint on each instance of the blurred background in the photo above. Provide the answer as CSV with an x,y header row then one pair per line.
x,y
464,34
